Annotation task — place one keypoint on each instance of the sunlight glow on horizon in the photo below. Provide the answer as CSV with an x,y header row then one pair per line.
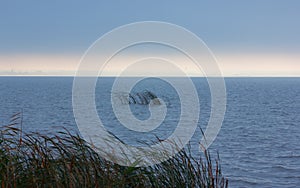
x,y
241,64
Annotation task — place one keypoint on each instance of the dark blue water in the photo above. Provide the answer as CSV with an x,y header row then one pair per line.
x,y
259,142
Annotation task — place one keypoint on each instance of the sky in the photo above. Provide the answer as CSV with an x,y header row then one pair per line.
x,y
248,38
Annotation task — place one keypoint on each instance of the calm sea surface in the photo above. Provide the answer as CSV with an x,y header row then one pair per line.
x,y
259,142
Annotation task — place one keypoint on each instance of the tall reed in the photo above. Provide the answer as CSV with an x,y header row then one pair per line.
x,y
66,160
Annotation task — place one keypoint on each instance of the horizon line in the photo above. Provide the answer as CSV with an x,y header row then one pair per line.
x,y
113,76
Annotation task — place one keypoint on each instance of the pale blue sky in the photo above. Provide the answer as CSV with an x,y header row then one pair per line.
x,y
37,28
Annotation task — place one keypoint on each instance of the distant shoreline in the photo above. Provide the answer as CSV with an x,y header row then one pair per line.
x,y
69,76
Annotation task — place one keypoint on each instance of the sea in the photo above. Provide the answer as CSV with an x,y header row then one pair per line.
x,y
258,143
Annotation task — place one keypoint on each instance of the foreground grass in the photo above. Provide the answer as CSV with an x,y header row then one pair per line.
x,y
66,160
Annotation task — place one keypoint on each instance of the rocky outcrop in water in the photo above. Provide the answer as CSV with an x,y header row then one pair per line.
x,y
142,98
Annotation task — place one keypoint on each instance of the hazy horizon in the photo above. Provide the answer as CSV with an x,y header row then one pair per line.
x,y
255,39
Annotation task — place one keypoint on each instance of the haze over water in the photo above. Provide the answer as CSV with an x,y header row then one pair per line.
x,y
256,44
